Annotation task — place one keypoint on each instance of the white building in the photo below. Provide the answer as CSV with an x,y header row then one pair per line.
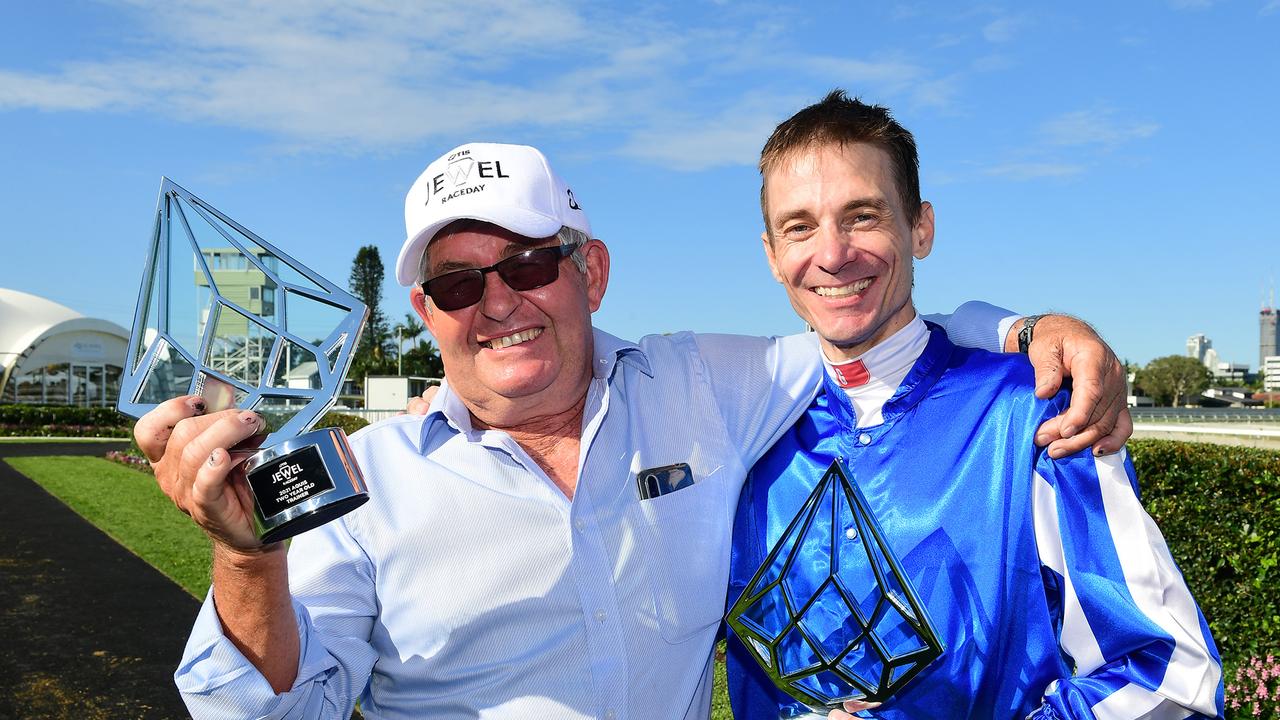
x,y
1271,373
1227,397
1231,372
392,392
53,355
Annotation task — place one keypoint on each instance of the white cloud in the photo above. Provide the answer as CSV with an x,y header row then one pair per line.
x,y
938,93
1094,127
951,39
1033,170
992,63
936,178
732,137
1271,7
905,11
883,78
702,144
1088,133
18,90
333,73
1191,4
853,72
345,76
1002,29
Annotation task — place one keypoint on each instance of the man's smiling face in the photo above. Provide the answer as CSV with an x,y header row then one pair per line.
x,y
514,354
841,243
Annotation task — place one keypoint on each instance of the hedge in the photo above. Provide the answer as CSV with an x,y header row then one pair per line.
x,y
63,421
348,423
1219,509
72,421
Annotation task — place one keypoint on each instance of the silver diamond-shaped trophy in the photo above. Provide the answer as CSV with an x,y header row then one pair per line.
x,y
226,315
830,615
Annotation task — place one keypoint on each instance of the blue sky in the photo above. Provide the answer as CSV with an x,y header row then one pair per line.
x,y
1111,160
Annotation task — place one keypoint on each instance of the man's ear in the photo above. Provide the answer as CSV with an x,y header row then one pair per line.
x,y
768,254
597,275
422,305
922,233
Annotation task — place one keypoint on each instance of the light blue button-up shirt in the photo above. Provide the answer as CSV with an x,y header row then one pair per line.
x,y
470,587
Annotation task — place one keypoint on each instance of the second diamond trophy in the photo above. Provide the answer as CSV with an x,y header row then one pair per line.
x,y
225,315
830,615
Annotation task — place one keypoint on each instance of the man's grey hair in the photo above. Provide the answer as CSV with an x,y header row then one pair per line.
x,y
573,236
566,235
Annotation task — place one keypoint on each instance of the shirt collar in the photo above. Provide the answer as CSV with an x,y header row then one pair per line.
x,y
609,350
446,407
915,386
891,357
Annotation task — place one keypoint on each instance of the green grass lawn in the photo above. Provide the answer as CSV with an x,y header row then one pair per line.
x,y
719,697
127,505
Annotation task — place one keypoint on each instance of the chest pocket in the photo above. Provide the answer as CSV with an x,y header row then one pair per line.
x,y
686,547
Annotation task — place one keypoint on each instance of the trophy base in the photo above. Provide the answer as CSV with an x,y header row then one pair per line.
x,y
303,483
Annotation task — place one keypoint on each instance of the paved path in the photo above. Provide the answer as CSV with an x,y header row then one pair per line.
x,y
87,630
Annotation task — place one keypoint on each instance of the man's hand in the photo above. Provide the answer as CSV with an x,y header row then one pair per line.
x,y
420,405
191,455
851,707
1062,347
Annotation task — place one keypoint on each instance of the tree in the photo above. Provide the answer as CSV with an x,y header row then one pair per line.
x,y
1133,377
421,359
371,356
1174,379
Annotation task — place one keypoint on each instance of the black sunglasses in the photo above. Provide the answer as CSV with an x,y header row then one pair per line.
x,y
529,270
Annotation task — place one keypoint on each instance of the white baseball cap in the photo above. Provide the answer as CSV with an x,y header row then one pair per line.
x,y
511,186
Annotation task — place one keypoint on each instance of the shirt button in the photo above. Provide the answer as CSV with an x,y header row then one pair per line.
x,y
610,715
864,439
600,616
851,533
580,525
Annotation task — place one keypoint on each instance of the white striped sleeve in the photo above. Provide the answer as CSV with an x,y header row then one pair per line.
x,y
1140,646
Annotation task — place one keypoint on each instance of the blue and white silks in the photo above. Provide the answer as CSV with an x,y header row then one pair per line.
x,y
1052,590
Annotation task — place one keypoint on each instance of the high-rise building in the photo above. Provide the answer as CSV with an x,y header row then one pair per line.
x,y
1267,344
1197,345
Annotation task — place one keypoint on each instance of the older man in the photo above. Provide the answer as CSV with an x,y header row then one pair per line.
x,y
550,541
1053,593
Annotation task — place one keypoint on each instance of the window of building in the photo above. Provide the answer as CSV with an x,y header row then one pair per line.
x,y
87,385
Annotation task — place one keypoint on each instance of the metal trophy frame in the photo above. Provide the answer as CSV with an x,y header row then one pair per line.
x,y
301,479
858,631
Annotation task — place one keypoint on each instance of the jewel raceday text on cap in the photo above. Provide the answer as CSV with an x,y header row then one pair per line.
x,y
512,186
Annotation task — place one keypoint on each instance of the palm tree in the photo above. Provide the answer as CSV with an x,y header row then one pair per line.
x,y
409,330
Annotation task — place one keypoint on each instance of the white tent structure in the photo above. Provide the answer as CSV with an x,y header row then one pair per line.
x,y
53,355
